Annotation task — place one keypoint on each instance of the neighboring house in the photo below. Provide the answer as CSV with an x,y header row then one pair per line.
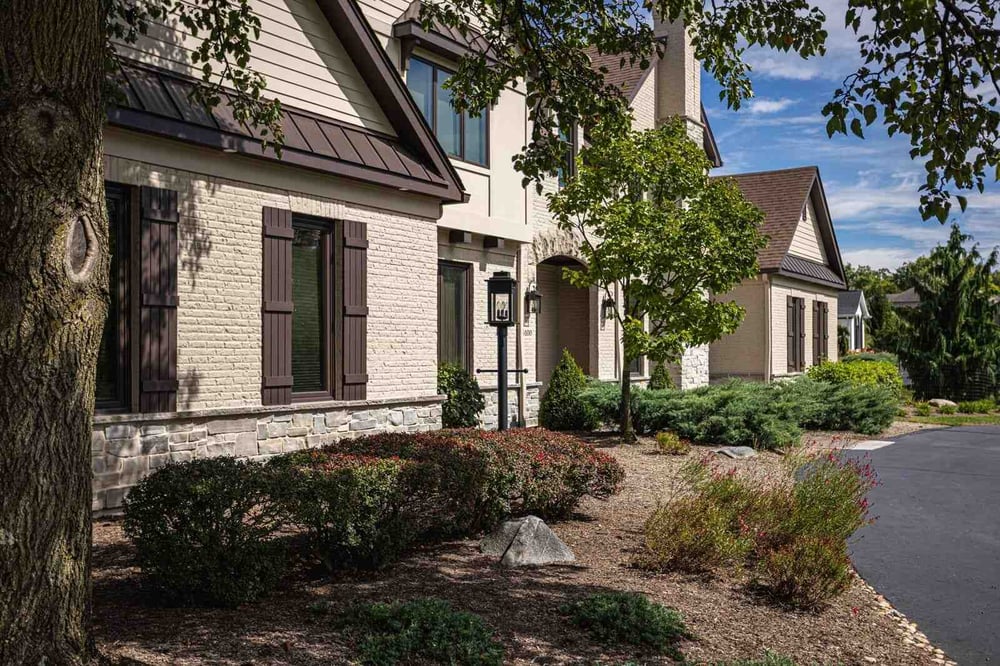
x,y
852,311
264,303
788,325
904,299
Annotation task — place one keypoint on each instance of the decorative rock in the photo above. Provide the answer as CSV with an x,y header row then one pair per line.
x,y
526,542
737,452
941,402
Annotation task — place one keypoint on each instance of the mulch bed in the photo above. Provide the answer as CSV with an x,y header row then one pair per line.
x,y
727,620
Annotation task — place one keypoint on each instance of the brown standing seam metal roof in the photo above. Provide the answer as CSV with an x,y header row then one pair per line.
x,y
157,102
782,195
629,77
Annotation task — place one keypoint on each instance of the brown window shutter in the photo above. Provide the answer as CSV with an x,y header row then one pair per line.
x,y
825,328
802,334
352,336
157,379
276,308
790,317
817,337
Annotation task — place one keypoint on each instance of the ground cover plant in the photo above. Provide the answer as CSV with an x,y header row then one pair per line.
x,y
421,631
205,532
764,416
628,618
984,406
669,443
791,536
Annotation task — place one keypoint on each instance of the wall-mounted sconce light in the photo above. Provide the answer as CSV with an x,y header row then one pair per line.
x,y
533,299
608,308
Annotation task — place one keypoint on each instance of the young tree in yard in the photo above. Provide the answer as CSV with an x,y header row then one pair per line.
x,y
55,66
950,343
653,224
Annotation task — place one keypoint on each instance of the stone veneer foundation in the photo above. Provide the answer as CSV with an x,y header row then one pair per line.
x,y
488,418
127,447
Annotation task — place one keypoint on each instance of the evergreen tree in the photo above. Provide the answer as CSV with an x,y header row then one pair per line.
x,y
562,408
950,343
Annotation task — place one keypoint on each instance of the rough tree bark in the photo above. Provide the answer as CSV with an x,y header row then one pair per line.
x,y
53,294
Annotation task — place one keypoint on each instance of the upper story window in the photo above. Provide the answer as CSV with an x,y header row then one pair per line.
x,y
568,168
461,135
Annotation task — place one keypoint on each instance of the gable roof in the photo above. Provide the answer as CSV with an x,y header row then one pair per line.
x,y
782,196
908,298
849,302
157,102
440,39
629,78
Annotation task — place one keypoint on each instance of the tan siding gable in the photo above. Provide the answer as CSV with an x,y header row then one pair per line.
x,y
304,63
806,242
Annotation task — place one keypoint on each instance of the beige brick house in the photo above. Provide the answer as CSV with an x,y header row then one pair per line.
x,y
264,303
791,306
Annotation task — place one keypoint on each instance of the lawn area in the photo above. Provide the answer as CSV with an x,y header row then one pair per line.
x,y
956,419
726,620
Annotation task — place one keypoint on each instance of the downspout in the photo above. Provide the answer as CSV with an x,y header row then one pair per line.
x,y
767,327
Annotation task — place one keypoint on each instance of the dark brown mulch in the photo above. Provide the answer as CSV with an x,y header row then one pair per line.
x,y
727,621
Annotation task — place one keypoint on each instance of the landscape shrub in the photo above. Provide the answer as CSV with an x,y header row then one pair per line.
x,y
562,407
605,399
670,444
984,406
824,406
628,618
805,572
205,532
947,409
792,535
355,508
883,357
922,409
883,374
660,378
421,631
465,401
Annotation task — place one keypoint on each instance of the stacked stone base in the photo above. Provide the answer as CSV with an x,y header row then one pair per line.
x,y
489,418
125,448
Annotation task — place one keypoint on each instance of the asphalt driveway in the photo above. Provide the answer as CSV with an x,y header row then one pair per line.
x,y
934,551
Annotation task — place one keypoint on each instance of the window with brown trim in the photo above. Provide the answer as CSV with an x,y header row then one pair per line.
x,y
568,168
312,285
460,134
821,331
455,313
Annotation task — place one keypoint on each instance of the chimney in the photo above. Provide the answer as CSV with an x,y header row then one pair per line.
x,y
678,78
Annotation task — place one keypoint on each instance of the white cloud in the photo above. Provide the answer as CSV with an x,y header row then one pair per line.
x,y
880,257
763,105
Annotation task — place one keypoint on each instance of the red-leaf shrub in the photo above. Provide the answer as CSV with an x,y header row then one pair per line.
x,y
366,499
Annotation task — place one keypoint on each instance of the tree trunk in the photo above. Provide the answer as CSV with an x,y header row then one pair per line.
x,y
625,422
53,295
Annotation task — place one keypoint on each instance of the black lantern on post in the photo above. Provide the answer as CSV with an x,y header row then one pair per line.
x,y
533,299
501,295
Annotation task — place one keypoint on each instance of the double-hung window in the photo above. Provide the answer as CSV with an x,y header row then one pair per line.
x,y
112,391
796,333
460,134
312,337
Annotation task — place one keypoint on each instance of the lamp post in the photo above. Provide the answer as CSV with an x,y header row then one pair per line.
x,y
501,292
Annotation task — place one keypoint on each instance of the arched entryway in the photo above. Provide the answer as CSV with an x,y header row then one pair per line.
x,y
564,322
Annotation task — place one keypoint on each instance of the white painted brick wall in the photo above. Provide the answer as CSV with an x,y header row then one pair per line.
x,y
219,287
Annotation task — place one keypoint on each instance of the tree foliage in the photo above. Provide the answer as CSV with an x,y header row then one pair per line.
x,y
950,343
653,225
877,284
930,70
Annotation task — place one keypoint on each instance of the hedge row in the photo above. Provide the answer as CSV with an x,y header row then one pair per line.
x,y
206,531
765,416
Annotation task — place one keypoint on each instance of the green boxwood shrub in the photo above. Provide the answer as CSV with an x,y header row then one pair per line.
x,y
354,507
660,378
860,373
465,401
627,618
562,407
204,532
421,631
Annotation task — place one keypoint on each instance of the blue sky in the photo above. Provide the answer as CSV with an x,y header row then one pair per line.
x,y
871,184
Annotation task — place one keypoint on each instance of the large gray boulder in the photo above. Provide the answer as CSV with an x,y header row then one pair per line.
x,y
526,542
941,402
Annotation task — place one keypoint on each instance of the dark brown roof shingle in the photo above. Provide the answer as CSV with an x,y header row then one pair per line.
x,y
627,77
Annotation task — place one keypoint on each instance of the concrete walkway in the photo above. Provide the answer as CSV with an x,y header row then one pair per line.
x,y
934,551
